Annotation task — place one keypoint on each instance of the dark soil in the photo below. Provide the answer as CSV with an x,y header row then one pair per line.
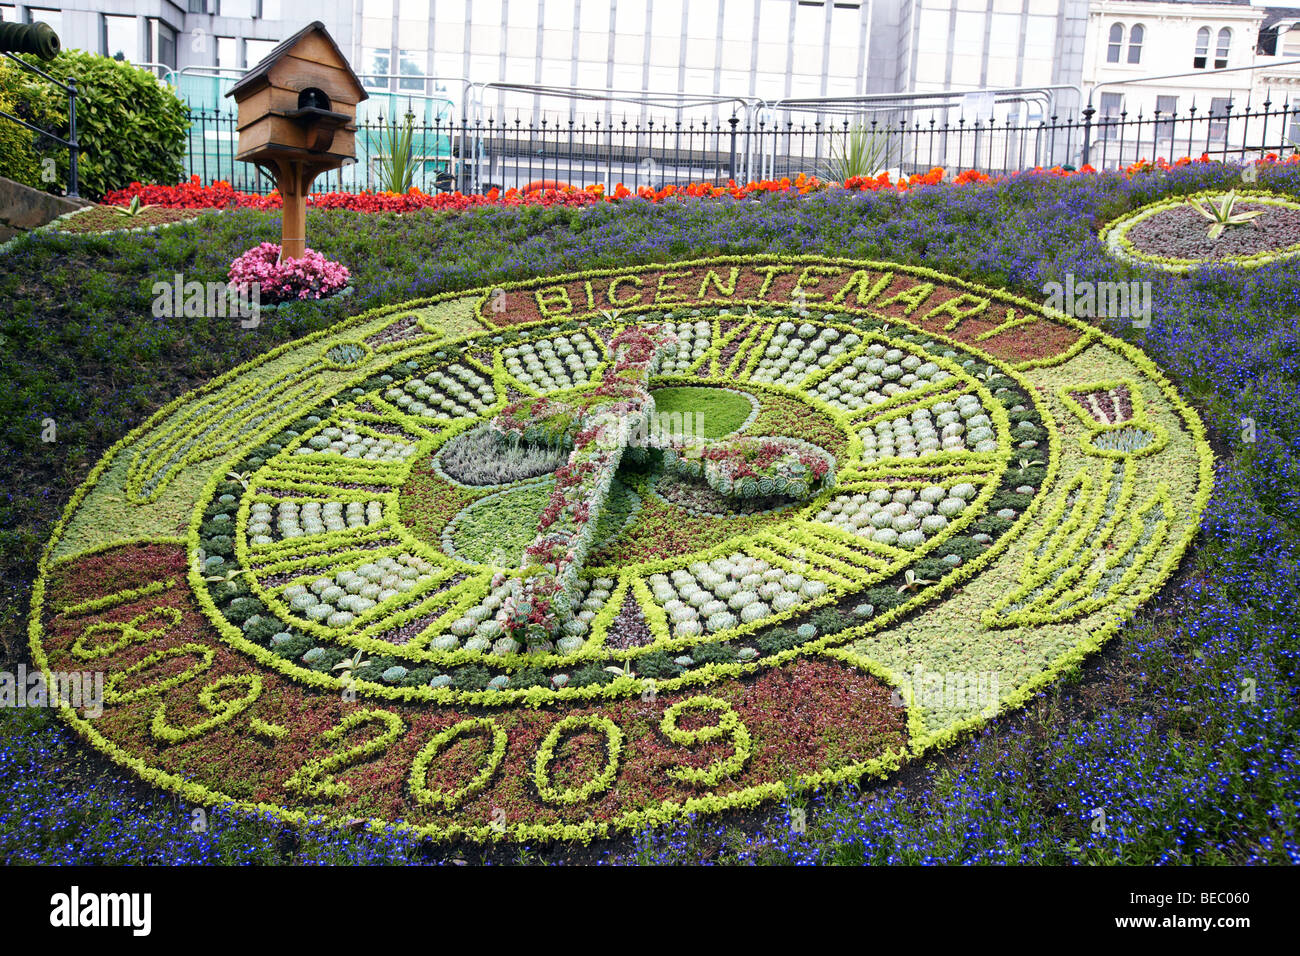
x,y
109,218
1181,233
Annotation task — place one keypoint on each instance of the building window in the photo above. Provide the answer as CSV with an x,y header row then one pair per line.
x,y
1166,109
119,38
1219,107
1202,48
255,51
53,17
1135,38
197,6
1222,48
411,66
162,43
1116,42
228,53
1291,42
378,61
8,13
1112,105
235,8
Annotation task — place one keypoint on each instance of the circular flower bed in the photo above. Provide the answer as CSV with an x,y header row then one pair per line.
x,y
447,564
1173,234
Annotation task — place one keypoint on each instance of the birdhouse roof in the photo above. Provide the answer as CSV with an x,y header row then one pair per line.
x,y
257,76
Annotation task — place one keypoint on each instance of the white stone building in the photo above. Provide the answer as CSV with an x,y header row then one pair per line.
x,y
1160,59
765,50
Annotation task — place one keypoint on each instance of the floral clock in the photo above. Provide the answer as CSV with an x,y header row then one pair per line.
x,y
586,553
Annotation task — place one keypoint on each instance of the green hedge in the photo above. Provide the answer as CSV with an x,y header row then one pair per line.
x,y
130,126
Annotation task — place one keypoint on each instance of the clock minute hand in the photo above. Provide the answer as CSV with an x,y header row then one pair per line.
x,y
541,601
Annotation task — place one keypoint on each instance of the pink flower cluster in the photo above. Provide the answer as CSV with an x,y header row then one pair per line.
x,y
311,277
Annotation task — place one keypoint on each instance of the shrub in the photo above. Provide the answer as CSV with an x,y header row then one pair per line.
x,y
658,666
590,674
714,654
21,151
131,127
529,677
777,640
470,677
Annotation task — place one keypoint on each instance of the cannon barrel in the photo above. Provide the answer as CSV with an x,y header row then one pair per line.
x,y
35,38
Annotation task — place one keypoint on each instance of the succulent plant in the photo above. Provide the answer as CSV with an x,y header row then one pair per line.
x,y
569,644
721,621
1222,213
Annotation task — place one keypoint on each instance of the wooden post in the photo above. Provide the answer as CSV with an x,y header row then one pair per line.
x,y
294,179
293,218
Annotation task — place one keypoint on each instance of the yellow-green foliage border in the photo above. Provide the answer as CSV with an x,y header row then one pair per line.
x,y
1114,236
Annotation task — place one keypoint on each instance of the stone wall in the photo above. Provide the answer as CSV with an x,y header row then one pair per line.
x,y
23,208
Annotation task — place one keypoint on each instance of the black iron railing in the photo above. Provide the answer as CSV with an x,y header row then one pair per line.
x,y
38,39
475,156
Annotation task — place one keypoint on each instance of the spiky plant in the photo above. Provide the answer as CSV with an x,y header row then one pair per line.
x,y
346,666
395,155
132,210
862,152
1221,214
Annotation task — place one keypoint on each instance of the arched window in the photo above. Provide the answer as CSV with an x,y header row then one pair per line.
x,y
1116,42
1135,37
1222,48
1202,48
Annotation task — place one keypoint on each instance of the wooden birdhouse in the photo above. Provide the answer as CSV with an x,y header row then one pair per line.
x,y
297,113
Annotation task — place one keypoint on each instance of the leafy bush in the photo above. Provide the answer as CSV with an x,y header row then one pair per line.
x,y
20,153
130,126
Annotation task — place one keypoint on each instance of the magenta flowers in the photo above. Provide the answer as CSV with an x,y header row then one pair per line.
x,y
311,277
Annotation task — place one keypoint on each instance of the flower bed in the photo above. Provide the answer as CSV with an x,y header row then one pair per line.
x,y
221,194
1173,235
977,493
758,467
100,219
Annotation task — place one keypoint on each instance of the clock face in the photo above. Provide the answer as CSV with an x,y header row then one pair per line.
x,y
852,510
